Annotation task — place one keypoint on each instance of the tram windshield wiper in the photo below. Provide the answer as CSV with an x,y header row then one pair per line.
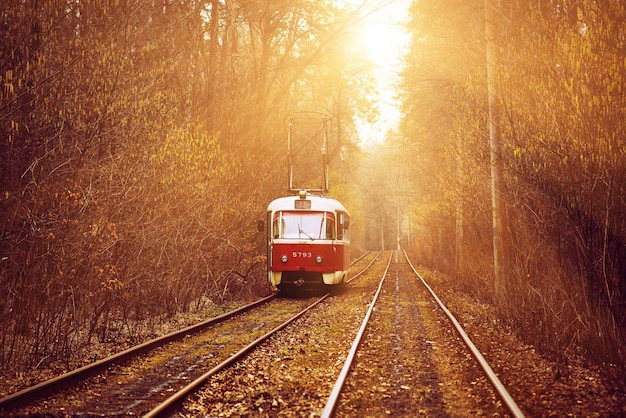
x,y
301,231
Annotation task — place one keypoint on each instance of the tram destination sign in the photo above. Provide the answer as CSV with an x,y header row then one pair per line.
x,y
302,204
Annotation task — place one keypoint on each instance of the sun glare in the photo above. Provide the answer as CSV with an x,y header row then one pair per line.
x,y
383,36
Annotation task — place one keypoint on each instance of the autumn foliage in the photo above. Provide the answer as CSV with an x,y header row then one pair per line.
x,y
140,142
560,77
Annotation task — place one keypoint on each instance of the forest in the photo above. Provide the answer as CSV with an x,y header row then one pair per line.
x,y
559,71
141,140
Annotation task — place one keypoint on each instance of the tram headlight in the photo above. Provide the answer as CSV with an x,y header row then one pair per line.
x,y
284,259
318,259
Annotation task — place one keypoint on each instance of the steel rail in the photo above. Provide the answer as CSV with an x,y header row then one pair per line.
x,y
365,268
359,257
493,378
167,406
51,385
331,404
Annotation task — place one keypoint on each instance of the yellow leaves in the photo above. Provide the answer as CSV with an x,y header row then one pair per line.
x,y
9,89
191,159
102,226
14,128
95,229
109,277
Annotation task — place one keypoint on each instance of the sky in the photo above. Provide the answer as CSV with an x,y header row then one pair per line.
x,y
386,41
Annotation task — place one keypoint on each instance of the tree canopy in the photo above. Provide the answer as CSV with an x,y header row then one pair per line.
x,y
139,143
560,68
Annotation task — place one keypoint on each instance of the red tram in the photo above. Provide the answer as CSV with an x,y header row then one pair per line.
x,y
308,242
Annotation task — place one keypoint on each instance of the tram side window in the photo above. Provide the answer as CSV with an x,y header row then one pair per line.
x,y
342,226
277,226
330,228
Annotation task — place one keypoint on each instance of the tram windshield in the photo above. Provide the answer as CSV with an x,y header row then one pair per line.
x,y
303,225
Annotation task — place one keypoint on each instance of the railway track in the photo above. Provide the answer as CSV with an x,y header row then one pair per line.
x,y
403,359
292,372
403,367
37,391
138,379
434,368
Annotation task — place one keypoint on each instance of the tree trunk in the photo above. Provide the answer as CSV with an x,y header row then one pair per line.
x,y
495,153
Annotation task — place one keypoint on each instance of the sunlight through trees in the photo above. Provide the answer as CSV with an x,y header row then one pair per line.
x,y
140,142
558,71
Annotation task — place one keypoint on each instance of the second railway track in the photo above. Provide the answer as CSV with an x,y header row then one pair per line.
x,y
136,380
412,362
136,385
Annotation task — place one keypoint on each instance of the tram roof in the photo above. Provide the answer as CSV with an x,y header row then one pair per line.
x,y
318,203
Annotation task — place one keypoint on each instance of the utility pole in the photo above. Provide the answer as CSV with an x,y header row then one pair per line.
x,y
459,221
495,154
382,233
398,226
